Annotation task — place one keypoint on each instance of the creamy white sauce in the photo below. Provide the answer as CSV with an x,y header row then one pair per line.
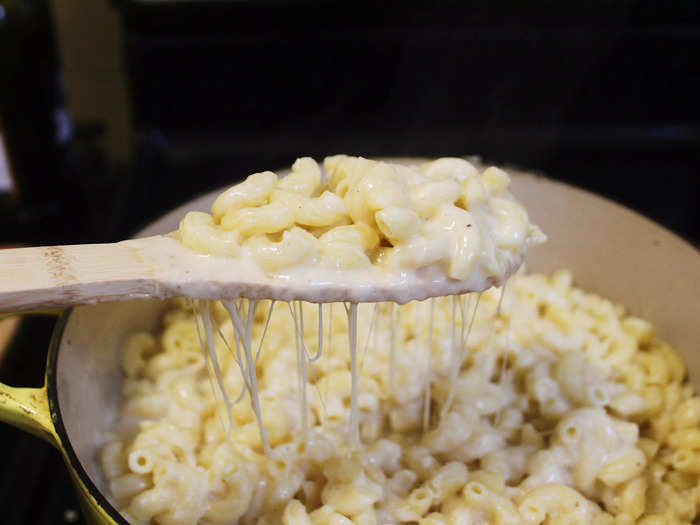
x,y
180,272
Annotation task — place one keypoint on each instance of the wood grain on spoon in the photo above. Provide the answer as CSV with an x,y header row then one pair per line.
x,y
56,276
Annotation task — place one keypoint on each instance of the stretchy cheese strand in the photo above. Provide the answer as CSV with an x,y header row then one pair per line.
x,y
319,350
458,366
428,364
206,318
210,372
244,333
298,319
352,339
395,322
267,323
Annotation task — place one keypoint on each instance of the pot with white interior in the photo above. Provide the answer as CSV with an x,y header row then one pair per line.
x,y
611,250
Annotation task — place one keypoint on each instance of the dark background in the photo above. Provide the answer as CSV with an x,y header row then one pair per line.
x,y
603,97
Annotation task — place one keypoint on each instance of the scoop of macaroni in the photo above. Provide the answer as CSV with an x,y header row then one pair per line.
x,y
543,405
366,216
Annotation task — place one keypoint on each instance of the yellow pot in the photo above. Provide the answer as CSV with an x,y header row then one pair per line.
x,y
35,410
611,250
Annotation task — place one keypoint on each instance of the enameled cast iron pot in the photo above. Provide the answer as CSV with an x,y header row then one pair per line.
x,y
611,250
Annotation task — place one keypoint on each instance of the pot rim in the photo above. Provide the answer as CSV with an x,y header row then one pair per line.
x,y
64,442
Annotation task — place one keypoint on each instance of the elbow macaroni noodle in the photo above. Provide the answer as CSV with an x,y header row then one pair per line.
x,y
360,214
558,408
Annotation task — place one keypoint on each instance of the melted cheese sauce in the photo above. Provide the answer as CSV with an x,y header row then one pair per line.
x,y
396,233
184,273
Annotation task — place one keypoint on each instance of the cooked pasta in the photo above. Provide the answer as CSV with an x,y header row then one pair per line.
x,y
378,218
545,404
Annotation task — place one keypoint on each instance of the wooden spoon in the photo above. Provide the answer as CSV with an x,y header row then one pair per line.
x,y
51,277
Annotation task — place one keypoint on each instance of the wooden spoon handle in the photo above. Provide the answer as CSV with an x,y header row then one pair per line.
x,y
56,276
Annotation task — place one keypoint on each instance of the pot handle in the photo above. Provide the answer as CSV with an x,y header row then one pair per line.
x,y
28,409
